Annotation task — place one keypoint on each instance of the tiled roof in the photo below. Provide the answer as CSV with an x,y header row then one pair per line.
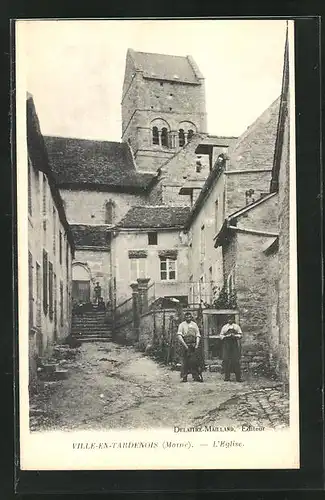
x,y
90,236
165,67
99,163
153,216
255,147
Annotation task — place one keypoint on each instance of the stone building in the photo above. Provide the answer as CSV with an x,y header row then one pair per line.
x,y
244,237
50,250
163,106
280,266
255,243
240,177
99,183
164,143
149,242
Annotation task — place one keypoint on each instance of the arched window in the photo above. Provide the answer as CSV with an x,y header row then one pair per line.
x,y
109,212
181,138
155,135
190,134
164,137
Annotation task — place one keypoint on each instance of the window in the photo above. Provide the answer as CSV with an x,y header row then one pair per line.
x,y
202,243
109,212
190,134
54,231
55,303
137,269
30,290
181,138
153,238
216,214
44,195
67,258
38,295
155,135
30,211
51,291
231,283
191,290
60,246
167,269
44,207
164,137
67,301
61,303
45,281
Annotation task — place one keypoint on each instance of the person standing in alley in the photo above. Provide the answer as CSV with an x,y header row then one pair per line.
x,y
231,349
189,336
98,292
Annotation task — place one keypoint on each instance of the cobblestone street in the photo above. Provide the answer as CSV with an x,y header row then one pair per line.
x,y
110,386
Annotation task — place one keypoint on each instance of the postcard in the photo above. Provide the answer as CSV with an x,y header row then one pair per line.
x,y
157,259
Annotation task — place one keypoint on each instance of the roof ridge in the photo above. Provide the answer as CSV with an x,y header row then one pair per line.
x,y
253,125
157,54
197,135
47,136
250,206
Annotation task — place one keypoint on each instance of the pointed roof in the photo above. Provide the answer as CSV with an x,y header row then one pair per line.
x,y
255,147
166,67
283,112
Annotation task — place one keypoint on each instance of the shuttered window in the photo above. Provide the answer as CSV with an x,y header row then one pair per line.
x,y
45,282
30,207
51,291
30,290
61,303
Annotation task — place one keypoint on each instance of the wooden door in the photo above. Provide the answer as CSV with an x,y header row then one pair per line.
x,y
81,291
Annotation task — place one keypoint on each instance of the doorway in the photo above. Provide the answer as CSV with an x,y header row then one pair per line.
x,y
80,283
81,291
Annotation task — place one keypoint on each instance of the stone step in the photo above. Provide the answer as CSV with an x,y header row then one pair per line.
x,y
78,329
94,339
90,316
78,335
95,314
90,323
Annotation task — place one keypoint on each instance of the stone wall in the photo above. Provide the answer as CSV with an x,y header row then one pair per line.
x,y
286,266
252,301
167,240
99,266
88,207
174,173
273,335
180,105
154,325
244,255
238,183
49,320
266,213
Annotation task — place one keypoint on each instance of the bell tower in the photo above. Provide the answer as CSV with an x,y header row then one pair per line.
x,y
163,106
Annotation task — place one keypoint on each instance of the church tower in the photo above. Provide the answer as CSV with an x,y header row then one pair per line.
x,y
163,106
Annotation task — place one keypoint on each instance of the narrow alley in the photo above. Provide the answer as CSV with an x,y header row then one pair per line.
x,y
110,386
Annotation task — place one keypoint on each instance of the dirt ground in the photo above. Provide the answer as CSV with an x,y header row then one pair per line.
x,y
112,386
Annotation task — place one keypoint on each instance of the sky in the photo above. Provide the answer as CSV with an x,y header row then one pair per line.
x,y
75,69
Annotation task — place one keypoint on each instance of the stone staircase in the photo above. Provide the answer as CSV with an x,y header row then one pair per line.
x,y
91,326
